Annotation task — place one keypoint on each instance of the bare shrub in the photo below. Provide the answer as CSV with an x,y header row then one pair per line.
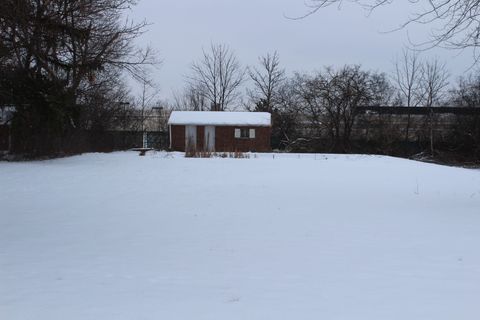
x,y
190,149
239,155
205,154
194,153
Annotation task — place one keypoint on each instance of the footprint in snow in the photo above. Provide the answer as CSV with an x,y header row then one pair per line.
x,y
234,300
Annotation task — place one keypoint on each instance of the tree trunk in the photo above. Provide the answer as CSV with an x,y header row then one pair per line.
x,y
407,131
431,132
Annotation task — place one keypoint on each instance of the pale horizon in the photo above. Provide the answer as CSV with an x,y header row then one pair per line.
x,y
331,37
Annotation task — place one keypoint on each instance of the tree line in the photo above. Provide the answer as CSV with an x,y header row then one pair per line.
x,y
62,65
320,109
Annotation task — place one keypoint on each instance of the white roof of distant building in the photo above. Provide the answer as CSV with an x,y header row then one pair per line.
x,y
220,118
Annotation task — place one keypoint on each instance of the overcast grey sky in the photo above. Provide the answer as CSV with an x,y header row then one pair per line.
x,y
180,29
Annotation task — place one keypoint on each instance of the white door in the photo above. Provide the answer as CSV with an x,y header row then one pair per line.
x,y
209,138
190,138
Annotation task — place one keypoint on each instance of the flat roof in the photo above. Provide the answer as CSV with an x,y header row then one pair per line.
x,y
220,118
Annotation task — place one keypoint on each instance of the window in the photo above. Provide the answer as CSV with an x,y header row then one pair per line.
x,y
244,133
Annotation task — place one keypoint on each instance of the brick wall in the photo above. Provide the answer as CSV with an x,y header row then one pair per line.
x,y
225,139
178,138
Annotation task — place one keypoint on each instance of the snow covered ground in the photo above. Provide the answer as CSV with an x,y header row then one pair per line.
x,y
118,236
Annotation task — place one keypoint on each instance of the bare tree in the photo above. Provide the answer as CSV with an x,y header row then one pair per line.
x,y
434,82
458,19
345,89
309,89
146,102
467,92
72,41
287,123
467,127
329,100
219,75
106,104
55,52
408,81
408,78
381,90
266,79
191,99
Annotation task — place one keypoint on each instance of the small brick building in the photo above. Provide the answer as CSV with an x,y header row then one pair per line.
x,y
220,131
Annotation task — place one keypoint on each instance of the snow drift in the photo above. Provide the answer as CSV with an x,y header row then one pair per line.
x,y
117,236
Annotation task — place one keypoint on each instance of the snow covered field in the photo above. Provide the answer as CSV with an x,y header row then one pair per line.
x,y
118,236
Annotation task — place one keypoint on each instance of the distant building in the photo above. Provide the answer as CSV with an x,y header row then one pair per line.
x,y
220,131
382,119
